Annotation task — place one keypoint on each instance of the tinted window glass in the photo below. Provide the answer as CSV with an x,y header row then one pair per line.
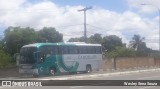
x,y
82,49
73,50
27,55
63,50
91,49
53,50
98,49
47,51
44,51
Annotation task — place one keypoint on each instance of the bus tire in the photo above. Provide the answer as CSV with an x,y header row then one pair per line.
x,y
72,73
35,75
52,71
88,68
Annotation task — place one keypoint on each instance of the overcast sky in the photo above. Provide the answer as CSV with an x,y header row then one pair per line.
x,y
123,18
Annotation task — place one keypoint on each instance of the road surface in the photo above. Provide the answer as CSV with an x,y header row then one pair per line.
x,y
150,75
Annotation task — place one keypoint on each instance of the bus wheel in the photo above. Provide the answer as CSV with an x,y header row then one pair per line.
x,y
88,68
52,71
35,75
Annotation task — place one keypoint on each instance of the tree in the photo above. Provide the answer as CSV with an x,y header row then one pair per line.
x,y
73,40
137,43
0,44
49,34
96,38
80,39
121,52
5,59
16,37
111,42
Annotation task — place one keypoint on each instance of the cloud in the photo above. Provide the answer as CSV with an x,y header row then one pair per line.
x,y
151,6
67,19
152,21
10,4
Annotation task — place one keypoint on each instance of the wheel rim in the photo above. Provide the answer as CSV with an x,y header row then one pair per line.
x,y
52,72
88,69
35,75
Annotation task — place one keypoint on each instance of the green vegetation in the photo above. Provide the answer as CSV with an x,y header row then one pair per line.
x,y
114,47
16,37
121,52
5,59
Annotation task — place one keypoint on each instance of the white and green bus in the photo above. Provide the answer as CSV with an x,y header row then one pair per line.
x,y
56,58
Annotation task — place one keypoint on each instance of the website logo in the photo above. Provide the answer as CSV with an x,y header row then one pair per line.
x,y
6,83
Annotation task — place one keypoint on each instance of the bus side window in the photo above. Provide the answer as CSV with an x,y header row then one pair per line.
x,y
73,50
63,50
47,51
54,50
98,49
43,50
79,50
59,50
82,49
91,50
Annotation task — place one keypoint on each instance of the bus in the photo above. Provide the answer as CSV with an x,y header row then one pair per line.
x,y
56,58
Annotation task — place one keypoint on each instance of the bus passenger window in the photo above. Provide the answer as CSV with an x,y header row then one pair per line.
x,y
98,49
63,50
54,50
73,50
91,49
82,49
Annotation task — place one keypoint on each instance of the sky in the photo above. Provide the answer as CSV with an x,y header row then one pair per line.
x,y
123,18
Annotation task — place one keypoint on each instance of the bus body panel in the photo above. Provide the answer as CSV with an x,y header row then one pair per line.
x,y
83,59
63,62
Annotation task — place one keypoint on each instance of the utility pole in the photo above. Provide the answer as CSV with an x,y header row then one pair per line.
x,y
85,27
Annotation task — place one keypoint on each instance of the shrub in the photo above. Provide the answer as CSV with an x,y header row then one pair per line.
x,y
121,52
5,59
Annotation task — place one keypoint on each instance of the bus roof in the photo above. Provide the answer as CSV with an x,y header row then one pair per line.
x,y
61,43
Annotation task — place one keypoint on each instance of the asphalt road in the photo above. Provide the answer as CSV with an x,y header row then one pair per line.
x,y
152,75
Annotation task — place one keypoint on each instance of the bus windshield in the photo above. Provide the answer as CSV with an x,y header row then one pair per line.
x,y
27,55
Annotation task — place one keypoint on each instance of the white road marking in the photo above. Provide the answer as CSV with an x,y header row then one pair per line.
x,y
147,87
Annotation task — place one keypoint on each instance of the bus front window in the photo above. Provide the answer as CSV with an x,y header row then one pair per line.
x,y
27,55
